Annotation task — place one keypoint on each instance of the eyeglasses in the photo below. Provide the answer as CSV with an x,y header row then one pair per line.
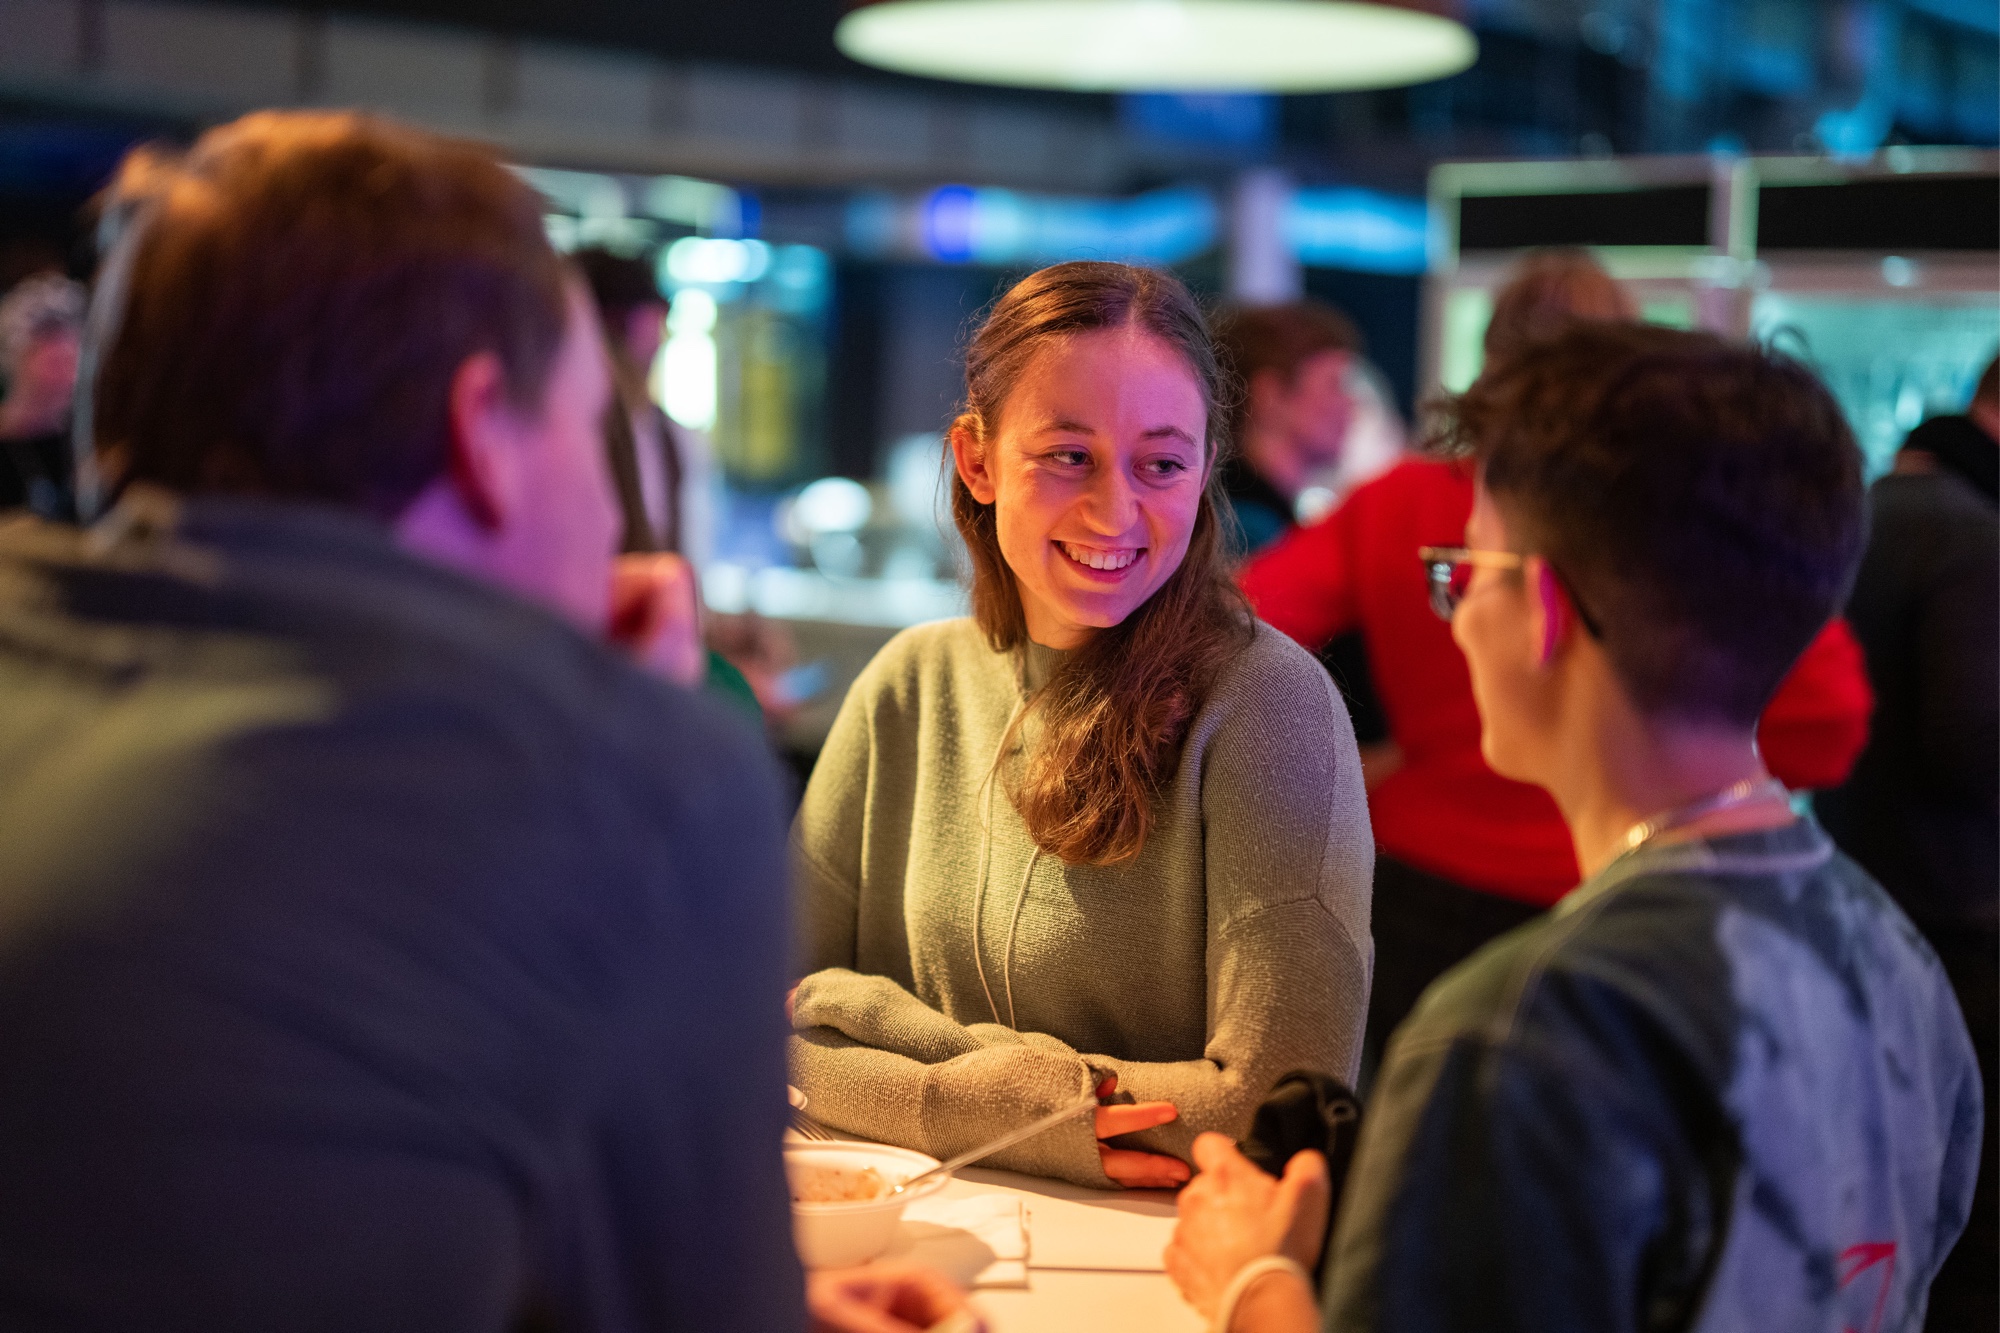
x,y
1448,571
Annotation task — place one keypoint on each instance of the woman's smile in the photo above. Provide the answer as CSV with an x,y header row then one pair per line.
x,y
1109,563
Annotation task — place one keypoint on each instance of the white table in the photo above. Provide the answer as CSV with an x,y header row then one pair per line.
x,y
1093,1260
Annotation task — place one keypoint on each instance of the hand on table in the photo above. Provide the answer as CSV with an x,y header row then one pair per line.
x,y
1136,1170
1234,1212
656,616
884,1298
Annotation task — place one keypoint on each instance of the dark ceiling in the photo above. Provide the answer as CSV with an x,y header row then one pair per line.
x,y
794,33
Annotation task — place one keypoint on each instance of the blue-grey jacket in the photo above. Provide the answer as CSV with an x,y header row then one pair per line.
x,y
1723,1085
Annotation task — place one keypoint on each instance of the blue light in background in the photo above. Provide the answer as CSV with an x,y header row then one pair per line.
x,y
1359,229
1201,120
958,225
1345,228
950,216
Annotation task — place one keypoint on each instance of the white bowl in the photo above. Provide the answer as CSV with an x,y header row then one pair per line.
x,y
840,1235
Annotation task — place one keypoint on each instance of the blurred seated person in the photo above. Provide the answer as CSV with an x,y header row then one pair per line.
x,y
1725,1084
1290,365
1293,418
1107,835
381,948
1465,854
660,470
1921,812
41,325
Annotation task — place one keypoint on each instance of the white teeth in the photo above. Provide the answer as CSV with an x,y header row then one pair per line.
x,y
1105,560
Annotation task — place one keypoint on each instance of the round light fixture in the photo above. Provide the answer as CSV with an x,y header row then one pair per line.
x,y
1279,46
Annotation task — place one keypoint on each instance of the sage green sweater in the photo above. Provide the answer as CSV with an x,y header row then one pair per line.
x,y
946,1001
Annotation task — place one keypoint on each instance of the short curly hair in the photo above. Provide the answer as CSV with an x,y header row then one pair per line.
x,y
1703,498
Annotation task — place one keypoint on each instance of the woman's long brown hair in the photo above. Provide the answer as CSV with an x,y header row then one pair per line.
x,y
1113,716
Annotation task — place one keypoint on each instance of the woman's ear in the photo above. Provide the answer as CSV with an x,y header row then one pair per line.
x,y
968,455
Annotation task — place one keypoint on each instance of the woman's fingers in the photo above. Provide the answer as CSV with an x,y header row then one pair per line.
x,y
1143,1170
1115,1120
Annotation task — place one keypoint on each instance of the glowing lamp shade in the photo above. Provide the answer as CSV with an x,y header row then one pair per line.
x,y
1280,46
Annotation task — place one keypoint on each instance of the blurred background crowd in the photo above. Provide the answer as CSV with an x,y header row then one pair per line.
x,y
790,245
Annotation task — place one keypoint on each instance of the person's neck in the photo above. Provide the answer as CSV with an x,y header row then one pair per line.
x,y
1271,456
1638,768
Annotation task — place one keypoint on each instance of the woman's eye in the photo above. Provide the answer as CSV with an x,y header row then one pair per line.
x,y
1165,467
1069,457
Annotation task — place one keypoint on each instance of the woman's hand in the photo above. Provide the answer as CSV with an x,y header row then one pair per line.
x,y
1234,1212
1136,1170
885,1298
656,616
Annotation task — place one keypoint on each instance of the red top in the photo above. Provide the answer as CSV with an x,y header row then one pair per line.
x,y
1444,810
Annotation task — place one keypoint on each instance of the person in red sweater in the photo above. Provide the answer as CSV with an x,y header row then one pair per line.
x,y
1463,854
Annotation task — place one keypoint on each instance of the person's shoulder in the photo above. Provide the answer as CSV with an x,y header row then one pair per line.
x,y
1270,655
933,642
1642,956
1272,673
1413,477
922,658
925,674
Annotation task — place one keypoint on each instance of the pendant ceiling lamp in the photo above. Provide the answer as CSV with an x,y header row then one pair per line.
x,y
1279,46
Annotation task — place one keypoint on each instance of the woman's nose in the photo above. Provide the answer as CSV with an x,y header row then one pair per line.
x,y
1111,506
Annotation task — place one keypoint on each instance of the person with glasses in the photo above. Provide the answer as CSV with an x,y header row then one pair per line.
x,y
1464,854
1725,1083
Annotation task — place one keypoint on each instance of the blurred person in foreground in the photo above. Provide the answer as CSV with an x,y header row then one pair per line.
x,y
1724,1085
41,328
1922,810
379,949
1465,854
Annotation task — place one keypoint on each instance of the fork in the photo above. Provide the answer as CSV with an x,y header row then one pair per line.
x,y
808,1128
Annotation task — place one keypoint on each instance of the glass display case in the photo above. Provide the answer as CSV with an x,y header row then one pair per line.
x,y
1882,274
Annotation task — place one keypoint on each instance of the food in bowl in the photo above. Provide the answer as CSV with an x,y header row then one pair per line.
x,y
844,1210
839,1184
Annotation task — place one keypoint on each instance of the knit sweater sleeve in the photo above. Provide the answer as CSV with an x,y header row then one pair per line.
x,y
918,1079
1289,861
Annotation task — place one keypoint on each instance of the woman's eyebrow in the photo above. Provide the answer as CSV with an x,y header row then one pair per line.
x,y
1170,433
1064,426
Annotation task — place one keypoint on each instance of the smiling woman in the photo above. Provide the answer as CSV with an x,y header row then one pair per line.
x,y
1107,834
1083,463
